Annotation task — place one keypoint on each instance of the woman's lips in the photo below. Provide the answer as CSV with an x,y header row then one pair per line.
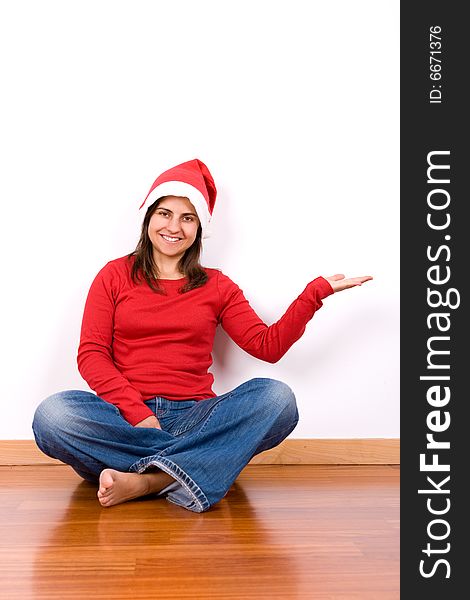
x,y
170,240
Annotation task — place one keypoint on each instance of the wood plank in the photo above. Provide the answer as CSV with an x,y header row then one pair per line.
x,y
290,452
282,532
365,451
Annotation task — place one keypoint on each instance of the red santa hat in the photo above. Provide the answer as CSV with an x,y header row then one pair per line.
x,y
192,180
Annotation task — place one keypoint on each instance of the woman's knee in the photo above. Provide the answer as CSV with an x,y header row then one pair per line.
x,y
276,393
56,410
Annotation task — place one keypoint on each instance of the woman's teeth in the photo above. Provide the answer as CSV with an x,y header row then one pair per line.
x,y
170,239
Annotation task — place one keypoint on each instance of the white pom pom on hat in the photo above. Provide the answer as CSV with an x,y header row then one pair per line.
x,y
193,180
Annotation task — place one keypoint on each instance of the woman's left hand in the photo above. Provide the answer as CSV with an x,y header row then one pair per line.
x,y
340,283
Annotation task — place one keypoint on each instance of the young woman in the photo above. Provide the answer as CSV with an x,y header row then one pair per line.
x,y
154,424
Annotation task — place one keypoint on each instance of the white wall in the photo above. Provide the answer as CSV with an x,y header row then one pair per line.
x,y
294,108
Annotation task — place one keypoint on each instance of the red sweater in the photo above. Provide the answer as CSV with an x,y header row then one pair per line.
x,y
136,344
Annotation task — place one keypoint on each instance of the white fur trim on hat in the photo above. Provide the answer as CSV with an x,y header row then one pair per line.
x,y
180,188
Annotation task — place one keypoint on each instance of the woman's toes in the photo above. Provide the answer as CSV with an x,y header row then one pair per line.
x,y
107,478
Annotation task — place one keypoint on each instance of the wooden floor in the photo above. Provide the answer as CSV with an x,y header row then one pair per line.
x,y
282,532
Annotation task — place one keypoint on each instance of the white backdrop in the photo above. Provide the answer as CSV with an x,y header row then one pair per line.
x,y
293,106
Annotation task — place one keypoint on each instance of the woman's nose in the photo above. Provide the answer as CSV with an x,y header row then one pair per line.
x,y
174,225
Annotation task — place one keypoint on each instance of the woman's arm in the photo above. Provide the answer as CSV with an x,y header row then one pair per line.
x,y
270,343
94,358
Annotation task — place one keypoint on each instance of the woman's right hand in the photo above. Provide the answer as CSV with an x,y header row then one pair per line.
x,y
151,421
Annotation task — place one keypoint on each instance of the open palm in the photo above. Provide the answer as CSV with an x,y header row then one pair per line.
x,y
339,282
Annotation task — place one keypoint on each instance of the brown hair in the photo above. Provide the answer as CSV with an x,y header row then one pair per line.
x,y
145,266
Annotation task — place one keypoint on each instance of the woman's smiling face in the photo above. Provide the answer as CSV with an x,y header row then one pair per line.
x,y
173,226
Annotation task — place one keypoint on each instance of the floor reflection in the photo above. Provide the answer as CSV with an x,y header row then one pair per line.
x,y
152,543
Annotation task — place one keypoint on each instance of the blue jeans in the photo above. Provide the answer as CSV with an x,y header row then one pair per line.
x,y
203,444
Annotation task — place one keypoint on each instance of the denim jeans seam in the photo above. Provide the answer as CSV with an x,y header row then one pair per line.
x,y
169,499
209,412
177,473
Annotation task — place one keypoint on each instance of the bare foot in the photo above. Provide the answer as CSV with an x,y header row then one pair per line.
x,y
117,487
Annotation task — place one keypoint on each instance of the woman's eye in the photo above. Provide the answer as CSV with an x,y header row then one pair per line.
x,y
163,213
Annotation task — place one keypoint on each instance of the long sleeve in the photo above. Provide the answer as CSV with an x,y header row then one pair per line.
x,y
249,332
95,355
